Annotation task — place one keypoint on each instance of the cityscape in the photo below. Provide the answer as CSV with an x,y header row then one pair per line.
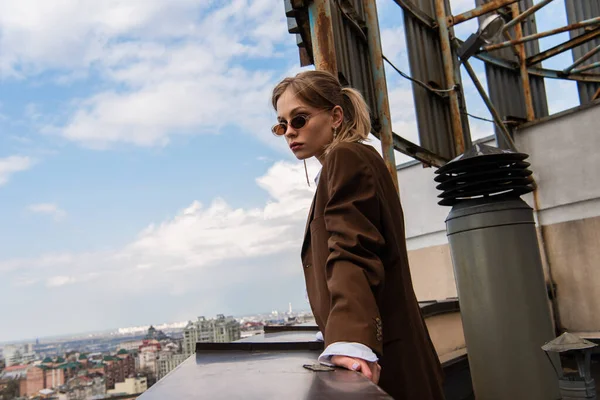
x,y
122,363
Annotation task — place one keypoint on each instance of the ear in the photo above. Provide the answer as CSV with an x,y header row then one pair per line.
x,y
338,116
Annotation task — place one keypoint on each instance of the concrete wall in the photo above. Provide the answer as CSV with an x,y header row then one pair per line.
x,y
565,155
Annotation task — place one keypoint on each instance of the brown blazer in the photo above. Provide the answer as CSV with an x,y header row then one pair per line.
x,y
357,275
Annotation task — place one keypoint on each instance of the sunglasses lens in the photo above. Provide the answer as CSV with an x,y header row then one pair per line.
x,y
278,129
298,121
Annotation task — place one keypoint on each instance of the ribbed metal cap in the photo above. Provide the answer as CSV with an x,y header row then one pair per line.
x,y
483,171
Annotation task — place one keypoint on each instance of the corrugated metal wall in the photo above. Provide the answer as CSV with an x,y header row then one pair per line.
x,y
426,65
505,86
580,10
352,54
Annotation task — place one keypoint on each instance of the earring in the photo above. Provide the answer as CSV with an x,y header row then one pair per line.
x,y
334,132
306,171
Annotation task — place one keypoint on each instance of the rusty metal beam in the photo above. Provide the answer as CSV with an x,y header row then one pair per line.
x,y
448,61
529,110
581,60
586,68
525,14
417,152
550,73
596,95
568,45
476,12
321,32
417,13
543,72
381,93
582,24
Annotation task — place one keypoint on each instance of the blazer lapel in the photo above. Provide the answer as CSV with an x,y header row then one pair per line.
x,y
311,212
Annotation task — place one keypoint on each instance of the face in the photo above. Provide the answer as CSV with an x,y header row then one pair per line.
x,y
317,132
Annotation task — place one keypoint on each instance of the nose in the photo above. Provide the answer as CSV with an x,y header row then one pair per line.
x,y
290,132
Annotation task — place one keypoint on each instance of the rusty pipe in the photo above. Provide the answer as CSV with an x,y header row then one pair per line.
x,y
321,32
586,68
525,14
588,22
476,12
448,62
380,83
529,110
568,45
581,60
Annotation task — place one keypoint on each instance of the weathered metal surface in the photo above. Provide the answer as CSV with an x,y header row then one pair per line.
x,y
529,111
478,11
582,59
449,64
582,24
578,10
381,93
586,68
417,152
426,65
416,12
550,73
321,31
525,14
504,78
568,45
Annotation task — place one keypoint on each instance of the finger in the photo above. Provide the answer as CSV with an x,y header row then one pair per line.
x,y
346,362
365,368
376,368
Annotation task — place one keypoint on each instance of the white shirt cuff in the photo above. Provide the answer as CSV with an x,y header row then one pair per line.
x,y
349,349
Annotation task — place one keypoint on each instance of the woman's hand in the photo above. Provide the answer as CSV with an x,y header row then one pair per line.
x,y
369,369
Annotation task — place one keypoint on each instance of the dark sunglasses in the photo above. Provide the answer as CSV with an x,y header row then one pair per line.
x,y
298,122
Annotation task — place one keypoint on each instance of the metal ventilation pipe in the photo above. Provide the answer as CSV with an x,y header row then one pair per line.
x,y
499,276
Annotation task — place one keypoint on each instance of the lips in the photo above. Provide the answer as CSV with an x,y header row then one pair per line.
x,y
296,146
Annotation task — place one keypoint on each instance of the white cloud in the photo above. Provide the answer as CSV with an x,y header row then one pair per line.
x,y
214,243
168,67
12,164
49,209
60,280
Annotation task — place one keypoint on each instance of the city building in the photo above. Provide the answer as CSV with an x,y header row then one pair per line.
x,y
219,330
86,387
130,386
167,362
117,368
148,356
130,345
15,354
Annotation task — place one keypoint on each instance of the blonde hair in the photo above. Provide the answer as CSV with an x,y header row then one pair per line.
x,y
322,90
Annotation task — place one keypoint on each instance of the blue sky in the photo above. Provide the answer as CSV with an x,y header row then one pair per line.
x,y
139,181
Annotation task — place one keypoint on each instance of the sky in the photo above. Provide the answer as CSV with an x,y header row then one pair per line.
x,y
139,180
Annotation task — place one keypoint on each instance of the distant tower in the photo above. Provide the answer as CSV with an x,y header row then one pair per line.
x,y
290,308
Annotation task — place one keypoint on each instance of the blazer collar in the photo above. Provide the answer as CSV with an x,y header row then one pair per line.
x,y
309,219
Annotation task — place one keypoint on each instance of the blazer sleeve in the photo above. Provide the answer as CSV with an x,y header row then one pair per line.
x,y
354,269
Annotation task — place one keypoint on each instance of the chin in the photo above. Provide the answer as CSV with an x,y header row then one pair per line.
x,y
302,155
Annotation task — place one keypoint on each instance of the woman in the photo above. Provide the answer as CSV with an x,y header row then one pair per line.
x,y
354,251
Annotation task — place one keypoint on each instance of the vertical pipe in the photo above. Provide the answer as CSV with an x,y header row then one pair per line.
x,y
321,33
529,110
455,116
378,71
